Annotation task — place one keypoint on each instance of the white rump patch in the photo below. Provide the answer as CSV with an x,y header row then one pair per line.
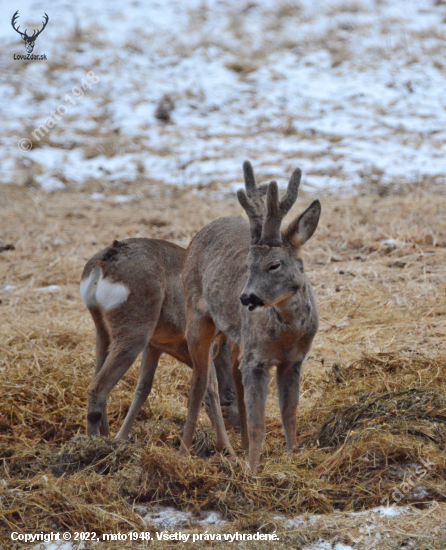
x,y
88,287
97,291
110,295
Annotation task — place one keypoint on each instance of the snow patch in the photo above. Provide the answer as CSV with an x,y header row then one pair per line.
x,y
371,109
390,511
50,288
169,517
122,198
7,288
97,196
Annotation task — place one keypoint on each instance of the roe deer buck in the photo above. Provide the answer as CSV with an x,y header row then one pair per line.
x,y
134,293
232,269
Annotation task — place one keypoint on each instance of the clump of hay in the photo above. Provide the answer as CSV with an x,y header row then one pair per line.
x,y
103,455
351,444
418,411
388,391
376,421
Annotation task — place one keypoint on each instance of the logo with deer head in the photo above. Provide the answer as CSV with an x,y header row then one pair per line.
x,y
29,40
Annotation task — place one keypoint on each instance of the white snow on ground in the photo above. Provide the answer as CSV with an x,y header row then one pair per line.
x,y
70,546
50,288
170,519
350,91
327,546
166,516
389,511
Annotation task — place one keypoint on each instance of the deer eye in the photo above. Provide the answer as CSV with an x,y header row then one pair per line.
x,y
274,267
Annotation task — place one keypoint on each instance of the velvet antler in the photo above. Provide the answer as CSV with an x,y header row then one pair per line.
x,y
277,210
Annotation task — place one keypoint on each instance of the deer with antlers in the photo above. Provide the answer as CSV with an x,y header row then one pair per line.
x,y
29,40
134,294
247,281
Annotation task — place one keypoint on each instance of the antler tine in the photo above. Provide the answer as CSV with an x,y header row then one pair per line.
x,y
245,203
251,201
272,199
292,191
270,235
250,180
276,210
254,192
255,218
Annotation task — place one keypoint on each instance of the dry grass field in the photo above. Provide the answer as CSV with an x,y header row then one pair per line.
x,y
373,403
163,100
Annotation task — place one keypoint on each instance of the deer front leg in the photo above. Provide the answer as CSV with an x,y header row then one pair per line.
x,y
240,395
288,387
255,384
199,335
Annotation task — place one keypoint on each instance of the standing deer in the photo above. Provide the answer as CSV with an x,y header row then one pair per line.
x,y
248,282
134,293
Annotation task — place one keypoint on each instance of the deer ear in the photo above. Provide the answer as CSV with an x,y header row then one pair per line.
x,y
303,227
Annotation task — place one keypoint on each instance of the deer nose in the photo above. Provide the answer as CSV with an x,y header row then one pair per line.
x,y
252,301
244,298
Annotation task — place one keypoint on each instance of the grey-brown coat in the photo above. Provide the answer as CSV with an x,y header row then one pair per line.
x,y
247,281
134,293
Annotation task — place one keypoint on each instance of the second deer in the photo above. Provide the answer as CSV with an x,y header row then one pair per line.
x,y
247,281
134,293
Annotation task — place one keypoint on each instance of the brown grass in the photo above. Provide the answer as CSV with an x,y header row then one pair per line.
x,y
373,394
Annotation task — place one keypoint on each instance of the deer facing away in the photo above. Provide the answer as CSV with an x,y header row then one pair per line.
x,y
247,281
134,293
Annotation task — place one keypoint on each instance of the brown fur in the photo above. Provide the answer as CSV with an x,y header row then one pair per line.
x,y
229,258
152,321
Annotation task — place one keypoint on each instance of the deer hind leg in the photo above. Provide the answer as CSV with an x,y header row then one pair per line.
x,y
149,363
127,342
239,393
255,382
288,387
102,347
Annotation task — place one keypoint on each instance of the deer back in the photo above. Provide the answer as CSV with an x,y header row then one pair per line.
x,y
126,280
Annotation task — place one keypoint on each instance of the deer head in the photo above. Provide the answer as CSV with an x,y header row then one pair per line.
x,y
275,270
29,40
